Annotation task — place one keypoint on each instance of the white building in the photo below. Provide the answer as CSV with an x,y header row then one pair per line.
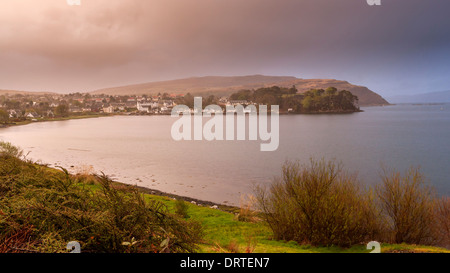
x,y
109,109
144,107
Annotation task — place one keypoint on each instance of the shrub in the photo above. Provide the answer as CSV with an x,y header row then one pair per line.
x,y
42,209
233,246
181,208
252,242
407,204
442,214
246,210
9,150
17,241
318,204
86,174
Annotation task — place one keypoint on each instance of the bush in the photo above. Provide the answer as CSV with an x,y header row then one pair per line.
x,y
407,204
318,204
246,211
442,215
9,150
42,209
181,208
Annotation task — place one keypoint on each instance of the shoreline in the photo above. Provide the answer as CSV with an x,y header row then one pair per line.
x,y
198,202
155,192
100,115
148,190
27,122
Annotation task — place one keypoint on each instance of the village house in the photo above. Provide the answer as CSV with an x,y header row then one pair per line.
x,y
31,115
143,107
13,113
109,109
118,106
130,105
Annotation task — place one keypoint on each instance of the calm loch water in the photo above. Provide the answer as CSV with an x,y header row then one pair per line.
x,y
140,150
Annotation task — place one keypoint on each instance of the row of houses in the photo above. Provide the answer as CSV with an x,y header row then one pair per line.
x,y
155,107
16,113
33,107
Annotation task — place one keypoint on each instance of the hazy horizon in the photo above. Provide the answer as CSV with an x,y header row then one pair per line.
x,y
398,48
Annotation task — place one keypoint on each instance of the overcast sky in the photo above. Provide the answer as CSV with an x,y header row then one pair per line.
x,y
400,47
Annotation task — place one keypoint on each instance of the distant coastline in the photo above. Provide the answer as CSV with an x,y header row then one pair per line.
x,y
100,115
30,121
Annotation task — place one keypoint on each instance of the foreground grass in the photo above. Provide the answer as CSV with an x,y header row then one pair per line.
x,y
225,234
43,209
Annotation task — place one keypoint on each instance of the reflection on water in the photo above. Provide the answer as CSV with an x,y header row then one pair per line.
x,y
140,150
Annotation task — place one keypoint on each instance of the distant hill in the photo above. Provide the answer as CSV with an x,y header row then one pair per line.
x,y
14,92
433,97
224,86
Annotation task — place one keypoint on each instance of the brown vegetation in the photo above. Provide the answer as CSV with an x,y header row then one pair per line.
x,y
407,205
41,210
322,205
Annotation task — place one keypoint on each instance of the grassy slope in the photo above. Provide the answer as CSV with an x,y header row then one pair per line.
x,y
222,228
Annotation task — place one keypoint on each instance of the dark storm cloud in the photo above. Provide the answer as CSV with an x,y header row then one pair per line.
x,y
48,45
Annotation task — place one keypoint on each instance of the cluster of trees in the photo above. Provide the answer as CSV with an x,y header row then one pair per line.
x,y
4,117
319,100
267,96
188,100
313,101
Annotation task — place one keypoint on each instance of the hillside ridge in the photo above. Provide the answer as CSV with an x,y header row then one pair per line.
x,y
226,85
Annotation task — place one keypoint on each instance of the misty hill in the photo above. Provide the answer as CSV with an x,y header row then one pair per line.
x,y
15,92
224,86
433,97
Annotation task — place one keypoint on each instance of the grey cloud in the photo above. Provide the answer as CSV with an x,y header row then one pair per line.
x,y
105,43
